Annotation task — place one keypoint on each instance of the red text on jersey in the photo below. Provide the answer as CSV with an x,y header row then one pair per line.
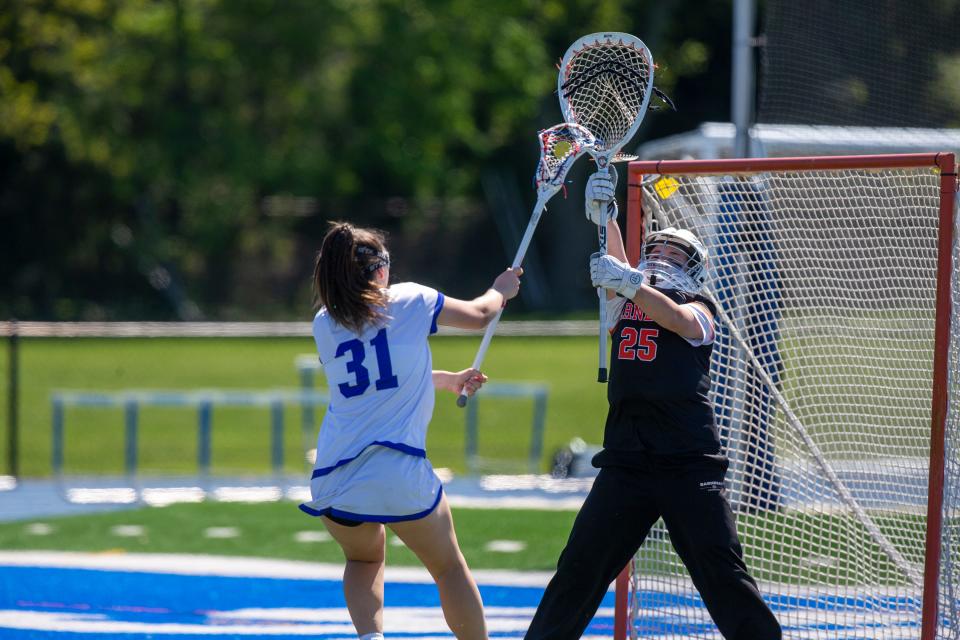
x,y
633,312
638,344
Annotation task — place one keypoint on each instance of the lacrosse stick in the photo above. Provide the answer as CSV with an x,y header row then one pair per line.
x,y
560,146
605,84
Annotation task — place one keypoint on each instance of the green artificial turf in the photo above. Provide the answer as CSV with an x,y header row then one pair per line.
x,y
791,547
168,436
269,530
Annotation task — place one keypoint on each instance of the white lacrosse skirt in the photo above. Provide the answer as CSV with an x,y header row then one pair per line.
x,y
379,485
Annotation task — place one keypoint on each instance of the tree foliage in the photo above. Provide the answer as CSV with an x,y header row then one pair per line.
x,y
146,146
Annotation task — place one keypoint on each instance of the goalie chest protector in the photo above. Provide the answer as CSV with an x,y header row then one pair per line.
x,y
659,386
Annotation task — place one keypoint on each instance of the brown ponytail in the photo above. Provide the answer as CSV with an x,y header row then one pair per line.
x,y
343,276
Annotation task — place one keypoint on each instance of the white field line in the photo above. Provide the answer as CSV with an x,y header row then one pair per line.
x,y
426,622
507,502
206,565
229,566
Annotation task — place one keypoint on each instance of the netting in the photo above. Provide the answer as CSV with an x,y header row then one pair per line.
x,y
560,146
604,85
822,377
949,578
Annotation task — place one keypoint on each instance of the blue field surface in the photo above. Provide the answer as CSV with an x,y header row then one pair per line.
x,y
80,603
75,596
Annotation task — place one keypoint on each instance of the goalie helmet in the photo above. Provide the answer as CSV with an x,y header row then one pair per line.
x,y
674,259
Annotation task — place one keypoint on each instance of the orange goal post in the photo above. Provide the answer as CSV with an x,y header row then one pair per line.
x,y
836,385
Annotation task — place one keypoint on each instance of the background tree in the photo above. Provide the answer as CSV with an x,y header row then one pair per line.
x,y
179,158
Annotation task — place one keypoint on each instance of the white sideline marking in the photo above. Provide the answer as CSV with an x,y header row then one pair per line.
x,y
228,566
287,622
162,497
537,492
395,541
503,502
221,532
94,623
38,529
529,481
123,495
298,494
312,536
232,566
247,494
128,530
505,546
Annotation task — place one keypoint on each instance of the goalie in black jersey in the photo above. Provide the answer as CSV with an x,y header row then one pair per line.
x,y
661,452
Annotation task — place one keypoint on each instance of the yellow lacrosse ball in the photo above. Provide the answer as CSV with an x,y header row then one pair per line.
x,y
561,149
666,187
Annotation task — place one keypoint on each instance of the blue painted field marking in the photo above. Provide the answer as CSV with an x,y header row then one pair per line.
x,y
79,603
133,597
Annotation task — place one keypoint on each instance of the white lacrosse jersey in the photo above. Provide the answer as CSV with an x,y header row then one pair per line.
x,y
380,384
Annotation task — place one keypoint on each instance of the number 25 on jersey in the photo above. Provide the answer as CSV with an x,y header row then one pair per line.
x,y
357,352
638,344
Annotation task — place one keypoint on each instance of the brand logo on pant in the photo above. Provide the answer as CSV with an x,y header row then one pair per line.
x,y
712,485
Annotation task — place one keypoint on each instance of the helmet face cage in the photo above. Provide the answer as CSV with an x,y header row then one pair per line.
x,y
674,259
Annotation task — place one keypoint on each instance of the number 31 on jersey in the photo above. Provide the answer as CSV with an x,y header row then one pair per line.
x,y
357,352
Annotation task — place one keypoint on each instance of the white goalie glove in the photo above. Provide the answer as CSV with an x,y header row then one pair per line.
x,y
600,204
609,273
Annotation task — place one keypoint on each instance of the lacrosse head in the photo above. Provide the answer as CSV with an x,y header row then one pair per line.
x,y
560,146
605,84
674,259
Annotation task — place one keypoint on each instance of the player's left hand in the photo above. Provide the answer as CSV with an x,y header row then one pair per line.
x,y
609,273
508,283
468,380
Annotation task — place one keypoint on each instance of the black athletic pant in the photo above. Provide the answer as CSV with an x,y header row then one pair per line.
x,y
612,524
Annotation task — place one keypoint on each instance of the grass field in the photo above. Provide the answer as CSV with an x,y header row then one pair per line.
x,y
576,407
780,547
94,443
834,384
270,530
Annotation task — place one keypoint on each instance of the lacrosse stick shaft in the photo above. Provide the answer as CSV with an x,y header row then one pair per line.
x,y
602,295
602,165
517,261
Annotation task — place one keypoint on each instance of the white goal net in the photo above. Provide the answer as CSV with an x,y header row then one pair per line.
x,y
834,376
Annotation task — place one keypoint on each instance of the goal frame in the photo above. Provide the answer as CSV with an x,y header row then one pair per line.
x,y
945,162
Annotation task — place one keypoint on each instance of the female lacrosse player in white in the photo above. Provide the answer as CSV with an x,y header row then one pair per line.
x,y
371,467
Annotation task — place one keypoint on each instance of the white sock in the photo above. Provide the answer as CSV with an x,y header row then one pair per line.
x,y
376,635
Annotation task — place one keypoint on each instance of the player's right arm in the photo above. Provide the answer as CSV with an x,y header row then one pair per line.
x,y
477,313
691,320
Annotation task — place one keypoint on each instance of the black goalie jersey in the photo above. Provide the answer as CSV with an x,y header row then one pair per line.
x,y
658,391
